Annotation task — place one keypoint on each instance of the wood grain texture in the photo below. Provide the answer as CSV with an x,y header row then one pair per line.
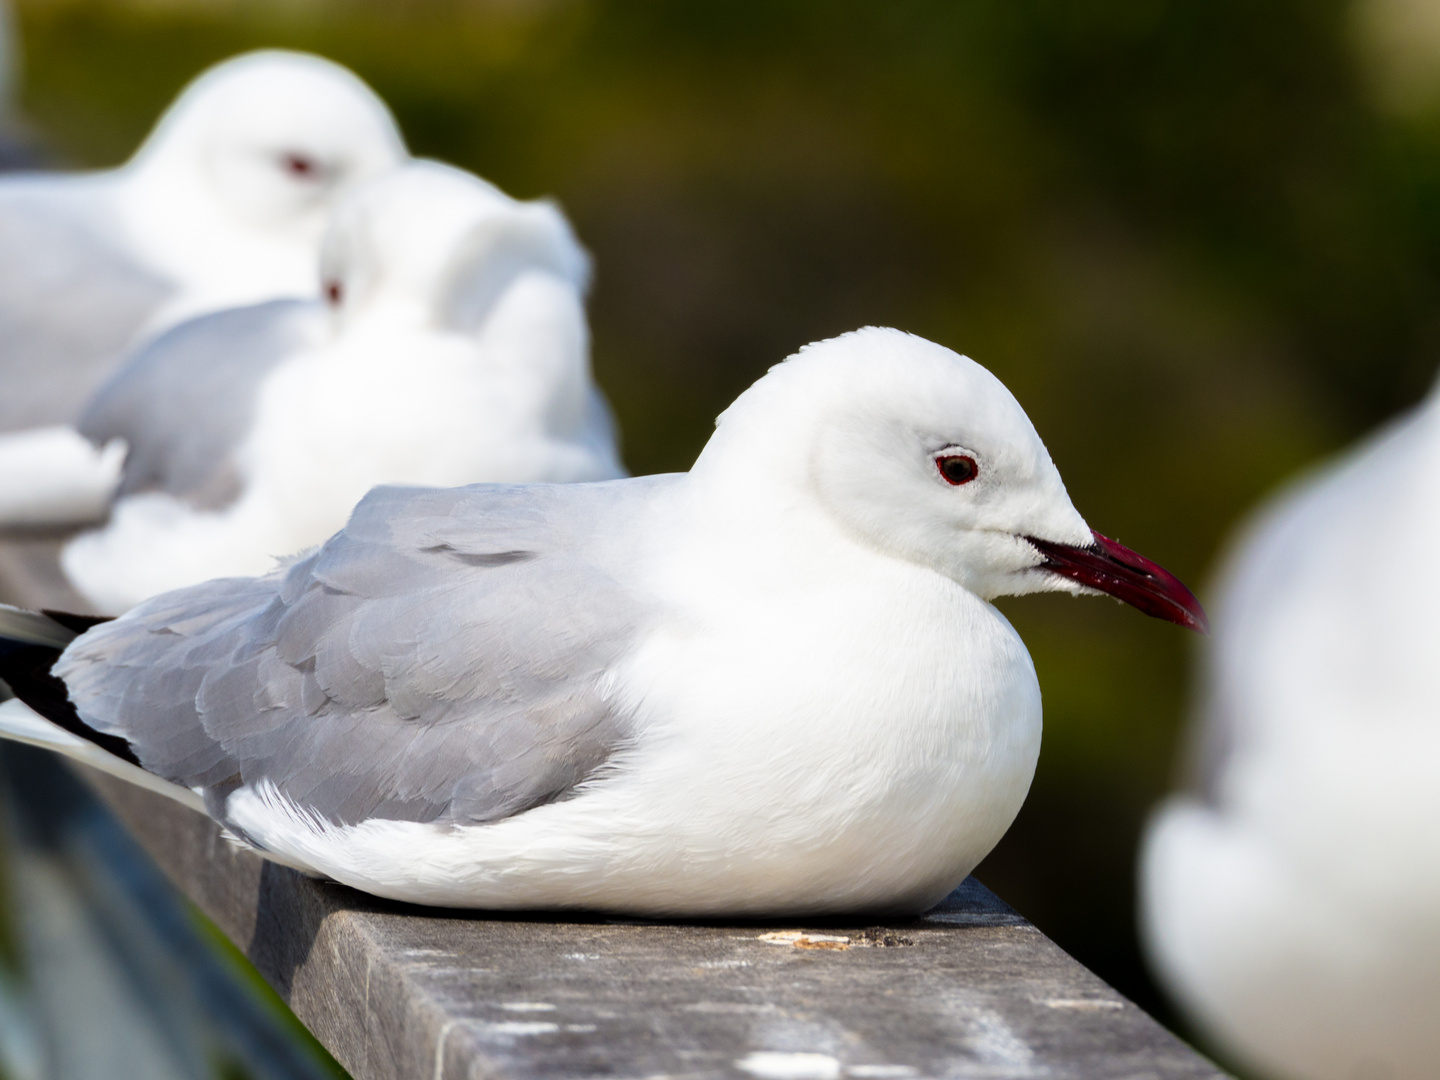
x,y
404,993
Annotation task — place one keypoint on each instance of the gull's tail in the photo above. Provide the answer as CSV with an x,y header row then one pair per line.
x,y
54,476
42,714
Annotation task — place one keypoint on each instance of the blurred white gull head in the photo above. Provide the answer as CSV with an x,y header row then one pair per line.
x,y
451,347
252,157
772,684
224,204
434,247
1291,900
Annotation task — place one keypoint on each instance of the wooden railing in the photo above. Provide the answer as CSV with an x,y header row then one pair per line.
x,y
406,993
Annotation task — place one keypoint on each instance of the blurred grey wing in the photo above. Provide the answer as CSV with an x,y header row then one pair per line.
x,y
185,401
443,659
71,302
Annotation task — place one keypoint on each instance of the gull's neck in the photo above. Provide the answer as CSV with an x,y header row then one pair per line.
x,y
769,530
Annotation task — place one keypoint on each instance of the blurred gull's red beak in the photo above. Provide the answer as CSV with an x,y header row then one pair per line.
x,y
1112,568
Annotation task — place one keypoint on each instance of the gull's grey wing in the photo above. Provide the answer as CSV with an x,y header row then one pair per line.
x,y
442,659
71,302
185,402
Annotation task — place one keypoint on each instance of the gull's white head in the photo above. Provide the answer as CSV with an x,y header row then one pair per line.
x,y
436,246
922,454
268,140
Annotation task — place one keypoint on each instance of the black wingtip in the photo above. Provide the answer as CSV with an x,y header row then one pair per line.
x,y
26,669
78,623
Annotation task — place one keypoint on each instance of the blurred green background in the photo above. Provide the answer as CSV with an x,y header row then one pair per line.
x,y
1198,239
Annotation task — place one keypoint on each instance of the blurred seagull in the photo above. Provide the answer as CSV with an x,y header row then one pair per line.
x,y
772,684
451,347
223,205
1292,902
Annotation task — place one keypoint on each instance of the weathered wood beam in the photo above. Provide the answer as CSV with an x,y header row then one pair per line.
x,y
404,993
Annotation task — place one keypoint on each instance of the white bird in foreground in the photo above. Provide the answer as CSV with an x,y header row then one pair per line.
x,y
1291,904
772,684
451,348
223,205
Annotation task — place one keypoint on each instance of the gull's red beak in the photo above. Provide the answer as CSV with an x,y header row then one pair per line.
x,y
1112,568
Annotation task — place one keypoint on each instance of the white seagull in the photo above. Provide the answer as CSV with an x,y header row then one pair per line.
x,y
451,347
1291,901
222,205
773,684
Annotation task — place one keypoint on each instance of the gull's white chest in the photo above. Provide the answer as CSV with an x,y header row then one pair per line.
x,y
859,745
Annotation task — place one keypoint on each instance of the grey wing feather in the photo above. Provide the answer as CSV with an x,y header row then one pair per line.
x,y
71,302
442,659
185,401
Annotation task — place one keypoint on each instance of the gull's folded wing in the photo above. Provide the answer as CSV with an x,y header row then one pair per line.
x,y
184,403
442,659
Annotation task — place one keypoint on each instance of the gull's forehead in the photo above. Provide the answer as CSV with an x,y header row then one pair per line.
x,y
430,191
893,378
419,205
404,229
273,97
893,393
962,396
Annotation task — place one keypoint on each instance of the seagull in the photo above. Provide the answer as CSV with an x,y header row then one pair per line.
x,y
1291,900
772,685
451,347
222,205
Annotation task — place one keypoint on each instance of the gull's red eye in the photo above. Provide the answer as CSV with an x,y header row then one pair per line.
x,y
957,469
300,166
334,293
